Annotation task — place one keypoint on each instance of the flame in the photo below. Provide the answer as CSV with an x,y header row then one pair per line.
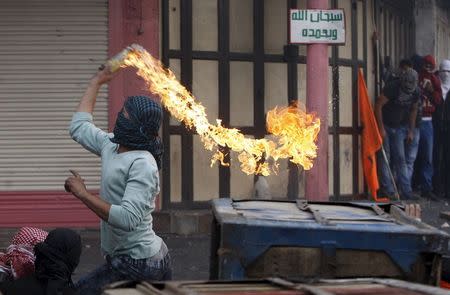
x,y
295,130
219,156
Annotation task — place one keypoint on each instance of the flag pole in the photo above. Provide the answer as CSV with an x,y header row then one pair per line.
x,y
397,195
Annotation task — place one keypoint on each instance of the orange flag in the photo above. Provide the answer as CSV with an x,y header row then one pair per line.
x,y
370,138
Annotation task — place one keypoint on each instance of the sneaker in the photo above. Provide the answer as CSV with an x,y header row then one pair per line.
x,y
430,196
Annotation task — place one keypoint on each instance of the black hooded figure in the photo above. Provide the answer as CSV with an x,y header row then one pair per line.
x,y
56,259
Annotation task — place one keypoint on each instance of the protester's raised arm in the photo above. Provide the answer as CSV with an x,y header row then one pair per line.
x,y
82,128
87,102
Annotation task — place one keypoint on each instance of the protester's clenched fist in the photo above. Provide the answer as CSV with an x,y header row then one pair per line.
x,y
102,76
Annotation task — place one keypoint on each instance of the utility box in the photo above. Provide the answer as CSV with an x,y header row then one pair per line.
x,y
300,240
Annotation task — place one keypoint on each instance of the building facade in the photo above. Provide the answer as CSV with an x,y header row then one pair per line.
x,y
48,53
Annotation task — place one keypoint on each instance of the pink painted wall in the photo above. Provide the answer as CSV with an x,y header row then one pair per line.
x,y
44,209
130,21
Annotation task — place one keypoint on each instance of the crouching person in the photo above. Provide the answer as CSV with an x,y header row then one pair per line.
x,y
56,259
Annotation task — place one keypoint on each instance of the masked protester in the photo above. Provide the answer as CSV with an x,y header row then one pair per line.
x,y
432,99
131,158
56,259
396,111
444,76
411,146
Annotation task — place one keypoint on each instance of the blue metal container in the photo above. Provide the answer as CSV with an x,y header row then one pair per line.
x,y
257,239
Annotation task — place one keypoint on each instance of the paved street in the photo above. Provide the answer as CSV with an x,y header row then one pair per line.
x,y
430,213
190,255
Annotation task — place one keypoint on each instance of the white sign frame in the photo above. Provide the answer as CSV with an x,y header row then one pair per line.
x,y
327,23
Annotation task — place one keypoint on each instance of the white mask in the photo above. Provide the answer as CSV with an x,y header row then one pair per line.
x,y
444,76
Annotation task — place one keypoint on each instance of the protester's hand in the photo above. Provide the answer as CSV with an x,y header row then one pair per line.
x,y
429,87
103,76
410,137
75,184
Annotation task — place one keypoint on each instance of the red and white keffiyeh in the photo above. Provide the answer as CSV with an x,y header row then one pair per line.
x,y
29,236
18,260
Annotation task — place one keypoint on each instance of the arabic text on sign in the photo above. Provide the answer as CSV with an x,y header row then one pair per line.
x,y
320,33
316,17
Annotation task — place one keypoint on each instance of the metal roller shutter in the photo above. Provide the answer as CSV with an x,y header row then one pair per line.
x,y
48,51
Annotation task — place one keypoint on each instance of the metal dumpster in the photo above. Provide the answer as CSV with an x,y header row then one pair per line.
x,y
258,239
275,286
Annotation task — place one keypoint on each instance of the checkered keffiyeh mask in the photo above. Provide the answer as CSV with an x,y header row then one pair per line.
x,y
29,236
19,258
408,80
140,130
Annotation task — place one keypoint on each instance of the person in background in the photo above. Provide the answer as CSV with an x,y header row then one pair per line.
x,y
130,158
396,111
432,97
444,154
18,260
417,62
56,259
444,76
403,65
412,146
388,71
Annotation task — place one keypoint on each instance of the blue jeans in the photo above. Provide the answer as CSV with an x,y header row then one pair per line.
x,y
411,154
394,146
123,267
425,156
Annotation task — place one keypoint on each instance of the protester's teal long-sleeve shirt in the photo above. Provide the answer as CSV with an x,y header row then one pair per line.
x,y
130,182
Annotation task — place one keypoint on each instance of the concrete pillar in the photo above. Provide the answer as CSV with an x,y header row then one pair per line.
x,y
130,21
317,102
425,15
